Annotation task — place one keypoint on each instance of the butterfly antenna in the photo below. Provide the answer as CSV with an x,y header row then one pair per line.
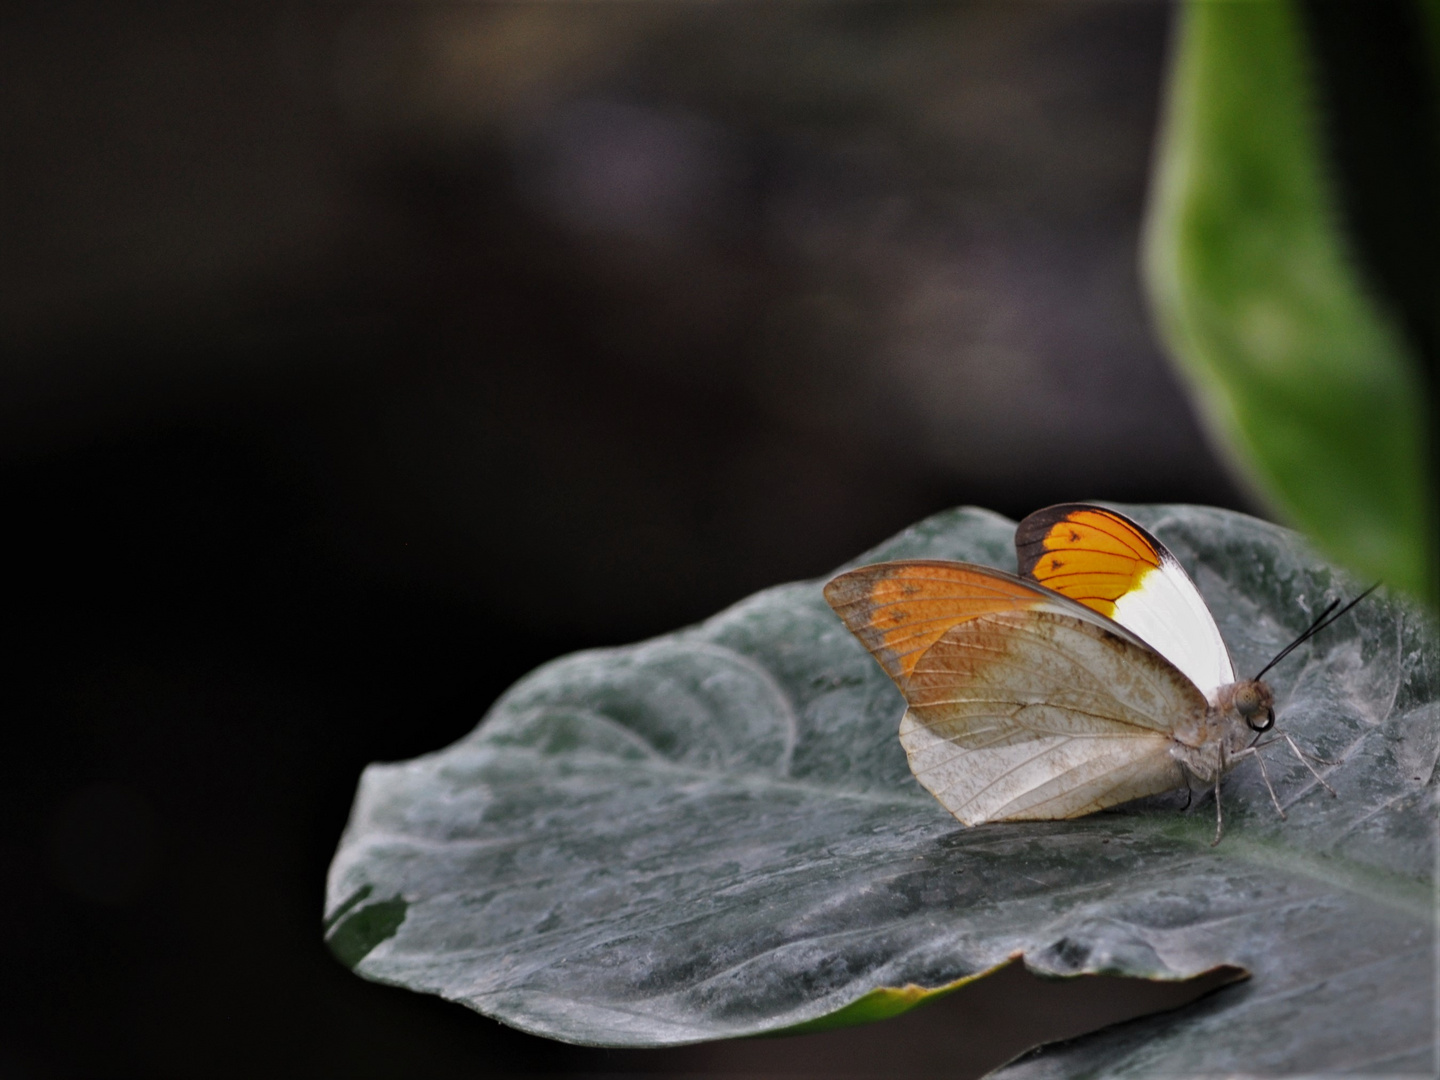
x,y
1320,623
1305,635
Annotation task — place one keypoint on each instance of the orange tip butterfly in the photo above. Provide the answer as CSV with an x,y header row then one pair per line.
x,y
1095,676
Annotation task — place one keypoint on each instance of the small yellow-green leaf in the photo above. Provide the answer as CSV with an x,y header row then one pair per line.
x,y
881,1004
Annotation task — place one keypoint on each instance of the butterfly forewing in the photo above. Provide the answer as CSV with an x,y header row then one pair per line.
x,y
899,609
1112,565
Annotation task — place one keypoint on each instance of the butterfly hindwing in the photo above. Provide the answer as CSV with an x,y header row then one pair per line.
x,y
1039,715
1113,566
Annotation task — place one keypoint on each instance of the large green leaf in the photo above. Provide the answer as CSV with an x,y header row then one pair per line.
x,y
1300,367
715,833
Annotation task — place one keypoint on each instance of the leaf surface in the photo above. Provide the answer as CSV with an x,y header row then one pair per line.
x,y
716,834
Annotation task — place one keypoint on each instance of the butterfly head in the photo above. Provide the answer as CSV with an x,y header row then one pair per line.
x,y
1255,703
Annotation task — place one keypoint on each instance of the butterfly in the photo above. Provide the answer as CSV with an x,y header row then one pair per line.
x,y
1095,676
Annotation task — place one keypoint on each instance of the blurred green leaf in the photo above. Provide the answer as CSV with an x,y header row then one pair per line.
x,y
716,834
1300,368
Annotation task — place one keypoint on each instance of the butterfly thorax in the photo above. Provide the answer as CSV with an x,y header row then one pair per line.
x,y
1208,747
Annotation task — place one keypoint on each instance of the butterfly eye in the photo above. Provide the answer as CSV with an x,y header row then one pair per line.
x,y
1266,726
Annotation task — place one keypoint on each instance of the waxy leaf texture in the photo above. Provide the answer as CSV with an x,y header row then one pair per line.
x,y
715,834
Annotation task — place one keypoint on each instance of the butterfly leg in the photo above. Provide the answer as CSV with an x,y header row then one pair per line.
x,y
1305,754
1219,818
1265,775
1281,736
1301,756
1253,750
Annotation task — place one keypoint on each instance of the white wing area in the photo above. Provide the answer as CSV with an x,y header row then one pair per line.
x,y
1042,715
1167,612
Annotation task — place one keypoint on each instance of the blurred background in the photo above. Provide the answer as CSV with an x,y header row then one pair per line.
x,y
358,358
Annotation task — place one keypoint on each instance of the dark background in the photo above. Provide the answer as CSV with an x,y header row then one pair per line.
x,y
358,358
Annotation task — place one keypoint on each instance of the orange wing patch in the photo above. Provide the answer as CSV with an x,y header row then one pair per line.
x,y
1087,553
899,609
